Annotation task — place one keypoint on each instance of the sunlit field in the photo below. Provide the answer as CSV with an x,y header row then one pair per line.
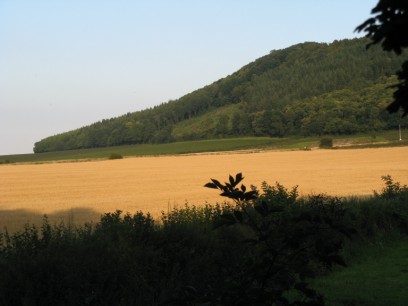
x,y
82,191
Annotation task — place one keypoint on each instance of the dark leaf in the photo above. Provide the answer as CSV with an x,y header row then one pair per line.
x,y
190,289
276,209
250,195
264,205
238,215
227,194
219,185
211,185
218,223
261,210
225,220
238,178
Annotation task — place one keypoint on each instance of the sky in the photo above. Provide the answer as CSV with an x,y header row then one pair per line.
x,y
69,63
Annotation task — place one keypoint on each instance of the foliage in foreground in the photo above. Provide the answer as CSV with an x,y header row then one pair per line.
x,y
389,26
258,250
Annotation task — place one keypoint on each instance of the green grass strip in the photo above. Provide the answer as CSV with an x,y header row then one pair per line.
x,y
378,276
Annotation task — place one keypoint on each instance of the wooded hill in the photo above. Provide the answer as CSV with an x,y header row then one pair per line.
x,y
306,89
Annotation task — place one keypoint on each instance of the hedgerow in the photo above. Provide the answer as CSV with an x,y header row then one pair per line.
x,y
261,248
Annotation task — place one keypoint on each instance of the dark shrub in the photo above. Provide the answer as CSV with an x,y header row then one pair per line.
x,y
280,242
262,249
115,156
392,189
326,143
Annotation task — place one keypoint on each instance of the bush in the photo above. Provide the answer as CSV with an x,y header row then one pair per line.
x,y
392,189
326,142
281,242
115,156
259,250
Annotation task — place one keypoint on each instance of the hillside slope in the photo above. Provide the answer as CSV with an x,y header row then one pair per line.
x,y
309,88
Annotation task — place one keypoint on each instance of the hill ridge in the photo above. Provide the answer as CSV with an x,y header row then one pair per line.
x,y
278,94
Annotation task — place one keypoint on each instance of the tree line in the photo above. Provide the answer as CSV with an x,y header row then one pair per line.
x,y
306,89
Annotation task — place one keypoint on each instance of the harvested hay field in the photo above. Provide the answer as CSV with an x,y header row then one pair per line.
x,y
82,191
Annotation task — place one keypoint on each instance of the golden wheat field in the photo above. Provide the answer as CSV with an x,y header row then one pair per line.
x,y
82,191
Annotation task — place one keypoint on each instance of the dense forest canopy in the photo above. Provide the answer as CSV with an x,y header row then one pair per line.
x,y
306,89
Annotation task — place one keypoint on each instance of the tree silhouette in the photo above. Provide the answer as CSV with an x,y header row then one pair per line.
x,y
389,26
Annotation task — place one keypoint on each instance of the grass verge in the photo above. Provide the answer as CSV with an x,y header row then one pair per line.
x,y
376,276
382,139
186,147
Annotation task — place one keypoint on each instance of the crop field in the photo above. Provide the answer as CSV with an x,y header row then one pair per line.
x,y
82,191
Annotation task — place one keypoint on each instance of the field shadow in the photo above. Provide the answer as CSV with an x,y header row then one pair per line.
x,y
15,220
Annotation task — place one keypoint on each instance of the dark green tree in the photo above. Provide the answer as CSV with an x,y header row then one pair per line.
x,y
389,26
221,127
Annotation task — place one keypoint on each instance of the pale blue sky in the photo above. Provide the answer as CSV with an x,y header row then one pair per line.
x,y
68,63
